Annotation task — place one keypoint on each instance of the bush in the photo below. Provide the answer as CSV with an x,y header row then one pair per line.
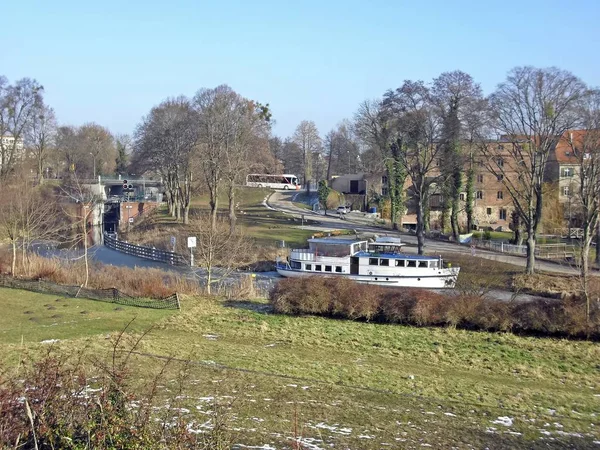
x,y
343,298
53,403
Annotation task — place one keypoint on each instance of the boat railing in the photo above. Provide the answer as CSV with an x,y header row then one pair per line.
x,y
305,254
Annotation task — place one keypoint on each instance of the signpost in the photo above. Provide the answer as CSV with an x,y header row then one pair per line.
x,y
191,246
173,242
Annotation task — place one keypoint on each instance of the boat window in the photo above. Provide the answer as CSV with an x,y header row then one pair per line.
x,y
338,269
327,268
433,264
308,266
373,261
295,265
400,263
318,267
411,263
384,262
422,263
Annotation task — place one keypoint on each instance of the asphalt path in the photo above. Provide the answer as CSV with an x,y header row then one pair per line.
x,y
361,223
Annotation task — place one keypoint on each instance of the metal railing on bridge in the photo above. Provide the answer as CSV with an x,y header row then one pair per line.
x,y
145,252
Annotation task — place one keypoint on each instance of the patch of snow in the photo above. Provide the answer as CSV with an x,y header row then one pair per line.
x,y
558,425
504,420
365,436
49,341
211,337
449,414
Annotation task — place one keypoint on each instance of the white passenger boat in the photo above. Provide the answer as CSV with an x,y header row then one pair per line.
x,y
380,262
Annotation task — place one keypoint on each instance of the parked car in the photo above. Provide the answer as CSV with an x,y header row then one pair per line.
x,y
343,209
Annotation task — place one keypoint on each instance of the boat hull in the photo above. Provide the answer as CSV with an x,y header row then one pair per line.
x,y
438,281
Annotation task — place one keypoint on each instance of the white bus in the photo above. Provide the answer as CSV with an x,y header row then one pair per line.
x,y
284,181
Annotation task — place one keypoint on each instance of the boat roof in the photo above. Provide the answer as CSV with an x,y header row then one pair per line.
x,y
396,256
330,240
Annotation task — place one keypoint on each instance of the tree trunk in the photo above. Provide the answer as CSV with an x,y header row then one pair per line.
x,y
214,204
454,220
13,266
85,249
530,269
40,169
585,272
186,214
232,216
598,243
208,278
420,226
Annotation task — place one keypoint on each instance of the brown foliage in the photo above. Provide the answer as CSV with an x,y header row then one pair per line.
x,y
343,298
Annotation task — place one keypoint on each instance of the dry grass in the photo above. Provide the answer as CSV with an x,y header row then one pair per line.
x,y
137,282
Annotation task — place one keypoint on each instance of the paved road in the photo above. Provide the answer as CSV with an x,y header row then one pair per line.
x,y
357,221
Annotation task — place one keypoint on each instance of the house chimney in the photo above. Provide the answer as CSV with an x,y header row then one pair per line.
x,y
570,136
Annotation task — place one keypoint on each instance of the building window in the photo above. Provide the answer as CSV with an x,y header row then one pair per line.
x,y
500,177
373,261
489,211
338,269
384,180
500,147
567,172
461,196
479,195
500,162
480,178
327,268
565,191
308,267
500,195
502,214
384,190
384,262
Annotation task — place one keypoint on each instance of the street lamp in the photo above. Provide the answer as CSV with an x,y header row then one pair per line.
x,y
94,156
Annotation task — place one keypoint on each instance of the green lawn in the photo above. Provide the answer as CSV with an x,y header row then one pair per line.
x,y
265,226
342,384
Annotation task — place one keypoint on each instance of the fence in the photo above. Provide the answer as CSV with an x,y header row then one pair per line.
x,y
105,295
145,252
545,251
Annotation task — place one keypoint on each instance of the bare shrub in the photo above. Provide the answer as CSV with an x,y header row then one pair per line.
x,y
463,310
53,402
352,300
396,305
428,308
308,295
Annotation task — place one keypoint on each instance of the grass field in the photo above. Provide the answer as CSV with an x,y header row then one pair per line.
x,y
338,384
266,227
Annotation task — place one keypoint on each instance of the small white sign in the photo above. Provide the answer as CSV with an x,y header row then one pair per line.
x,y
131,220
173,241
191,242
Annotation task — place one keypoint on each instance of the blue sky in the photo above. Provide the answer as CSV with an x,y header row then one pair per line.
x,y
111,61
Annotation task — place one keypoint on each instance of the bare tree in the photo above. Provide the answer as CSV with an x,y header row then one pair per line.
x,y
343,150
453,92
417,144
585,148
374,124
41,136
96,145
165,142
28,213
217,246
307,138
18,104
215,124
86,203
530,111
